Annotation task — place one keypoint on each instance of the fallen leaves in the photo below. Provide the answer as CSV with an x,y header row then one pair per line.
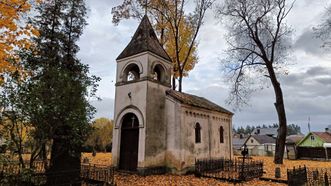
x,y
176,180
100,158
125,179
269,166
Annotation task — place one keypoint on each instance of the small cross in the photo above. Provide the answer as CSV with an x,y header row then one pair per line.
x,y
133,118
145,7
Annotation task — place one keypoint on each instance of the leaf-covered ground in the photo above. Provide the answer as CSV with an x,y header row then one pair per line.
x,y
174,180
190,180
123,179
269,166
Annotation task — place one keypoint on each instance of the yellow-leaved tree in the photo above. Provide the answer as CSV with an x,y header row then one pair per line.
x,y
15,34
186,33
177,30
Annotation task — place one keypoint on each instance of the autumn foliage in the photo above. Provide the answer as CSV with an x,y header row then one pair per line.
x,y
14,33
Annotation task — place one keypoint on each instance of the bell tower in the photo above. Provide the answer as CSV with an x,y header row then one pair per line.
x,y
143,76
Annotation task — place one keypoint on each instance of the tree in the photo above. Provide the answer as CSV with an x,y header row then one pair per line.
x,y
323,29
101,135
14,34
60,85
13,121
293,129
177,30
258,46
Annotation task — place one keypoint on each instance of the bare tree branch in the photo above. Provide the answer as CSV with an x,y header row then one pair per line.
x,y
258,39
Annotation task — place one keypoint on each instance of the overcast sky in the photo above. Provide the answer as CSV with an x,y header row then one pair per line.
x,y
307,88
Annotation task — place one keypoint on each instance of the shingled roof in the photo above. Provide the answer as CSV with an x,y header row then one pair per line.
x,y
263,139
325,136
196,101
144,39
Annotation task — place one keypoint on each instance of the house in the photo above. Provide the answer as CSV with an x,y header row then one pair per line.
x,y
260,145
315,139
291,145
272,132
238,142
155,126
315,145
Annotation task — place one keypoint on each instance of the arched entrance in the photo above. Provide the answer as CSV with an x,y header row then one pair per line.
x,y
129,142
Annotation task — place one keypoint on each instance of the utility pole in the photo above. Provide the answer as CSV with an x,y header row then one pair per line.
x,y
309,124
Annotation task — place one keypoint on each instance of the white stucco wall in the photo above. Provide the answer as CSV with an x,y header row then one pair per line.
x,y
167,133
141,97
181,147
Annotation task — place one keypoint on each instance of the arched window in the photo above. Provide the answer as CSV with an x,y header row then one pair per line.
x,y
158,73
221,134
131,72
197,133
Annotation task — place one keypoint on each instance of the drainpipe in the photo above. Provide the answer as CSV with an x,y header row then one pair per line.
x,y
209,136
230,138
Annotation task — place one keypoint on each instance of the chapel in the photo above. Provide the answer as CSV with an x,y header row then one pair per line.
x,y
155,126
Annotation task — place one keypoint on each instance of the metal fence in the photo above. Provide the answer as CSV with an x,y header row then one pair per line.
x,y
297,176
309,176
88,175
235,170
319,176
14,167
98,173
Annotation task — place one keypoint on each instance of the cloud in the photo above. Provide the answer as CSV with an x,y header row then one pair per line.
x,y
306,94
105,108
309,43
306,89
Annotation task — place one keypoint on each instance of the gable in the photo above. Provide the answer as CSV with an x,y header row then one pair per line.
x,y
251,141
310,141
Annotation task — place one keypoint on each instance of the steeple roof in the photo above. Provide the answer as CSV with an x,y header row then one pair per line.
x,y
144,39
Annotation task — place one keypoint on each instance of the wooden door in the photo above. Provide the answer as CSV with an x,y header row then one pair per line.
x,y
129,143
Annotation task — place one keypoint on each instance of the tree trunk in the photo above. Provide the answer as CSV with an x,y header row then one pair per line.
x,y
180,80
43,154
281,138
280,108
173,83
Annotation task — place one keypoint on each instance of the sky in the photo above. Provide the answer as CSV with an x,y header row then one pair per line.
x,y
306,89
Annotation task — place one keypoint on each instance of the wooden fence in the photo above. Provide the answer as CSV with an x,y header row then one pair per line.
x,y
314,153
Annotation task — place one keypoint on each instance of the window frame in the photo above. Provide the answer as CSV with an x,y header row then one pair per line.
x,y
197,130
221,134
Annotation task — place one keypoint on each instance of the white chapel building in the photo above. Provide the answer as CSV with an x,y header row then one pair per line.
x,y
156,126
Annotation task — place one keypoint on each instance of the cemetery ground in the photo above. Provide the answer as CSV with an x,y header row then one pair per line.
x,y
190,180
125,179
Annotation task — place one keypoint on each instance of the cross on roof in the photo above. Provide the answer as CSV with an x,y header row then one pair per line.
x,y
146,7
